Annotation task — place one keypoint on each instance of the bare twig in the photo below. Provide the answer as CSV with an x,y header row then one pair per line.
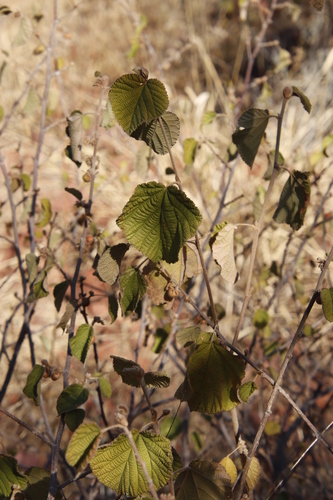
x,y
23,424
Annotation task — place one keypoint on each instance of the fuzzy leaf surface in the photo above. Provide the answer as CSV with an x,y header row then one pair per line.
x,y
32,387
223,252
326,296
71,398
294,200
251,126
81,341
83,445
152,134
9,475
116,467
187,336
130,372
158,220
214,375
136,100
156,379
133,287
203,480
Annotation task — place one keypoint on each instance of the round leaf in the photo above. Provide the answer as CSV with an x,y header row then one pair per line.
x,y
158,221
136,100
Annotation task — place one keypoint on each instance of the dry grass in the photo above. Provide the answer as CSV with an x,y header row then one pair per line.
x,y
181,44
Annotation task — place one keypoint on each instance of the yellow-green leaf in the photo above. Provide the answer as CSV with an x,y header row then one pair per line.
x,y
45,214
190,148
230,467
253,474
83,445
326,296
81,341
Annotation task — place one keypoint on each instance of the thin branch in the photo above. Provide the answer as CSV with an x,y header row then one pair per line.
x,y
23,424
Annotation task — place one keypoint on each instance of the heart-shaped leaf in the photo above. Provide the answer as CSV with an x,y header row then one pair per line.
x,y
158,220
202,480
136,100
294,200
251,126
214,375
116,465
152,134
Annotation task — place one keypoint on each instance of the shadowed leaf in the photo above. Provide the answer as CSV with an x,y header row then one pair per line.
x,y
303,98
59,293
151,133
130,372
32,387
294,200
250,129
74,192
38,484
326,296
74,418
73,396
9,475
81,341
74,131
156,379
188,335
133,287
113,308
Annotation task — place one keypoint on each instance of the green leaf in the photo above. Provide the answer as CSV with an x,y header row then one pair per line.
x,y
152,134
326,296
294,200
37,289
32,387
271,157
10,475
223,253
136,100
113,308
188,335
133,287
109,263
83,445
171,427
260,318
208,117
74,418
24,32
1,112
303,98
81,341
272,428
25,178
130,372
32,266
246,390
158,221
156,379
45,214
74,192
115,465
190,148
203,480
251,126
59,293
74,131
160,337
38,484
214,374
105,387
73,396
108,116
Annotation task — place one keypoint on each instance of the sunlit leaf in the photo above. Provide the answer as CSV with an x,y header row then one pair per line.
x,y
188,335
115,465
171,427
230,468
259,201
158,220
253,474
1,112
156,379
70,308
203,480
9,475
32,266
81,341
326,296
152,134
45,213
303,98
133,287
260,318
130,372
294,200
208,117
37,289
251,126
214,376
26,181
223,252
246,390
74,418
71,398
190,148
109,263
32,387
83,445
272,428
136,100
105,387
108,116
74,131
